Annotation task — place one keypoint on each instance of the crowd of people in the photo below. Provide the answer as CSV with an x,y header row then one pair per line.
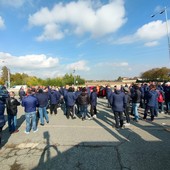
x,y
123,101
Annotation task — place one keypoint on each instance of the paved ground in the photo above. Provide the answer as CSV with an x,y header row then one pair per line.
x,y
88,145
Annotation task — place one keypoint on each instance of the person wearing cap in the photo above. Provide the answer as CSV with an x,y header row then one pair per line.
x,y
118,102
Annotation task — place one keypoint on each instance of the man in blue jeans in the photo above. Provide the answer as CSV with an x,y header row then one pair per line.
x,y
42,98
30,103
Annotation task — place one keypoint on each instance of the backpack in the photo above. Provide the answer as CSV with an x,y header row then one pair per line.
x,y
160,97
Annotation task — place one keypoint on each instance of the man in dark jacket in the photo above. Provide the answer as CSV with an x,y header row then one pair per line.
x,y
93,102
136,98
108,94
152,102
42,98
12,104
118,102
54,98
30,103
70,99
83,100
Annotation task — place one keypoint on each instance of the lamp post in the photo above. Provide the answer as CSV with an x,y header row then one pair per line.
x,y
167,28
74,72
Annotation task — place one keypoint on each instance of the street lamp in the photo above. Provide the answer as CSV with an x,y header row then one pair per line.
x,y
74,72
167,28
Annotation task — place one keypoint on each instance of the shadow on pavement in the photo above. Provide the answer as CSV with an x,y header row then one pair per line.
x,y
6,135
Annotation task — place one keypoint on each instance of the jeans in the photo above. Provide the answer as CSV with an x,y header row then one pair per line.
x,y
12,122
30,117
83,110
161,106
135,110
43,113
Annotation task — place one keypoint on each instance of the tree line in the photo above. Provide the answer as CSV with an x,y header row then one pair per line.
x,y
156,74
25,79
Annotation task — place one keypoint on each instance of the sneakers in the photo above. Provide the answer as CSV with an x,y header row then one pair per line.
x,y
35,130
26,132
94,116
41,124
126,124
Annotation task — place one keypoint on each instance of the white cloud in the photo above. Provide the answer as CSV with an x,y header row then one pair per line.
x,y
40,65
79,65
13,3
51,32
2,25
82,17
152,31
151,44
112,64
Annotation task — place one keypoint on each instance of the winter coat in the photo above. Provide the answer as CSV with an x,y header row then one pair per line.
x,y
70,98
108,93
42,99
152,98
12,104
21,94
136,96
29,103
118,101
83,99
93,99
54,97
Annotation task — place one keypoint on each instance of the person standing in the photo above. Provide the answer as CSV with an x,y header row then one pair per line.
x,y
42,98
3,96
118,102
83,100
12,104
93,102
127,106
21,93
70,100
108,94
136,98
54,98
152,102
30,103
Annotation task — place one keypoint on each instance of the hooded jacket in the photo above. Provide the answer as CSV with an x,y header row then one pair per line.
x,y
118,101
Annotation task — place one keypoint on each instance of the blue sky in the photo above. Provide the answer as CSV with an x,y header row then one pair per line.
x,y
100,39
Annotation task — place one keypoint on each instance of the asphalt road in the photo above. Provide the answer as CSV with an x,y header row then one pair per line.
x,y
88,145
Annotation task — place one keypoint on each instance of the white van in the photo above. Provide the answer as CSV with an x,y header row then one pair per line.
x,y
16,88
